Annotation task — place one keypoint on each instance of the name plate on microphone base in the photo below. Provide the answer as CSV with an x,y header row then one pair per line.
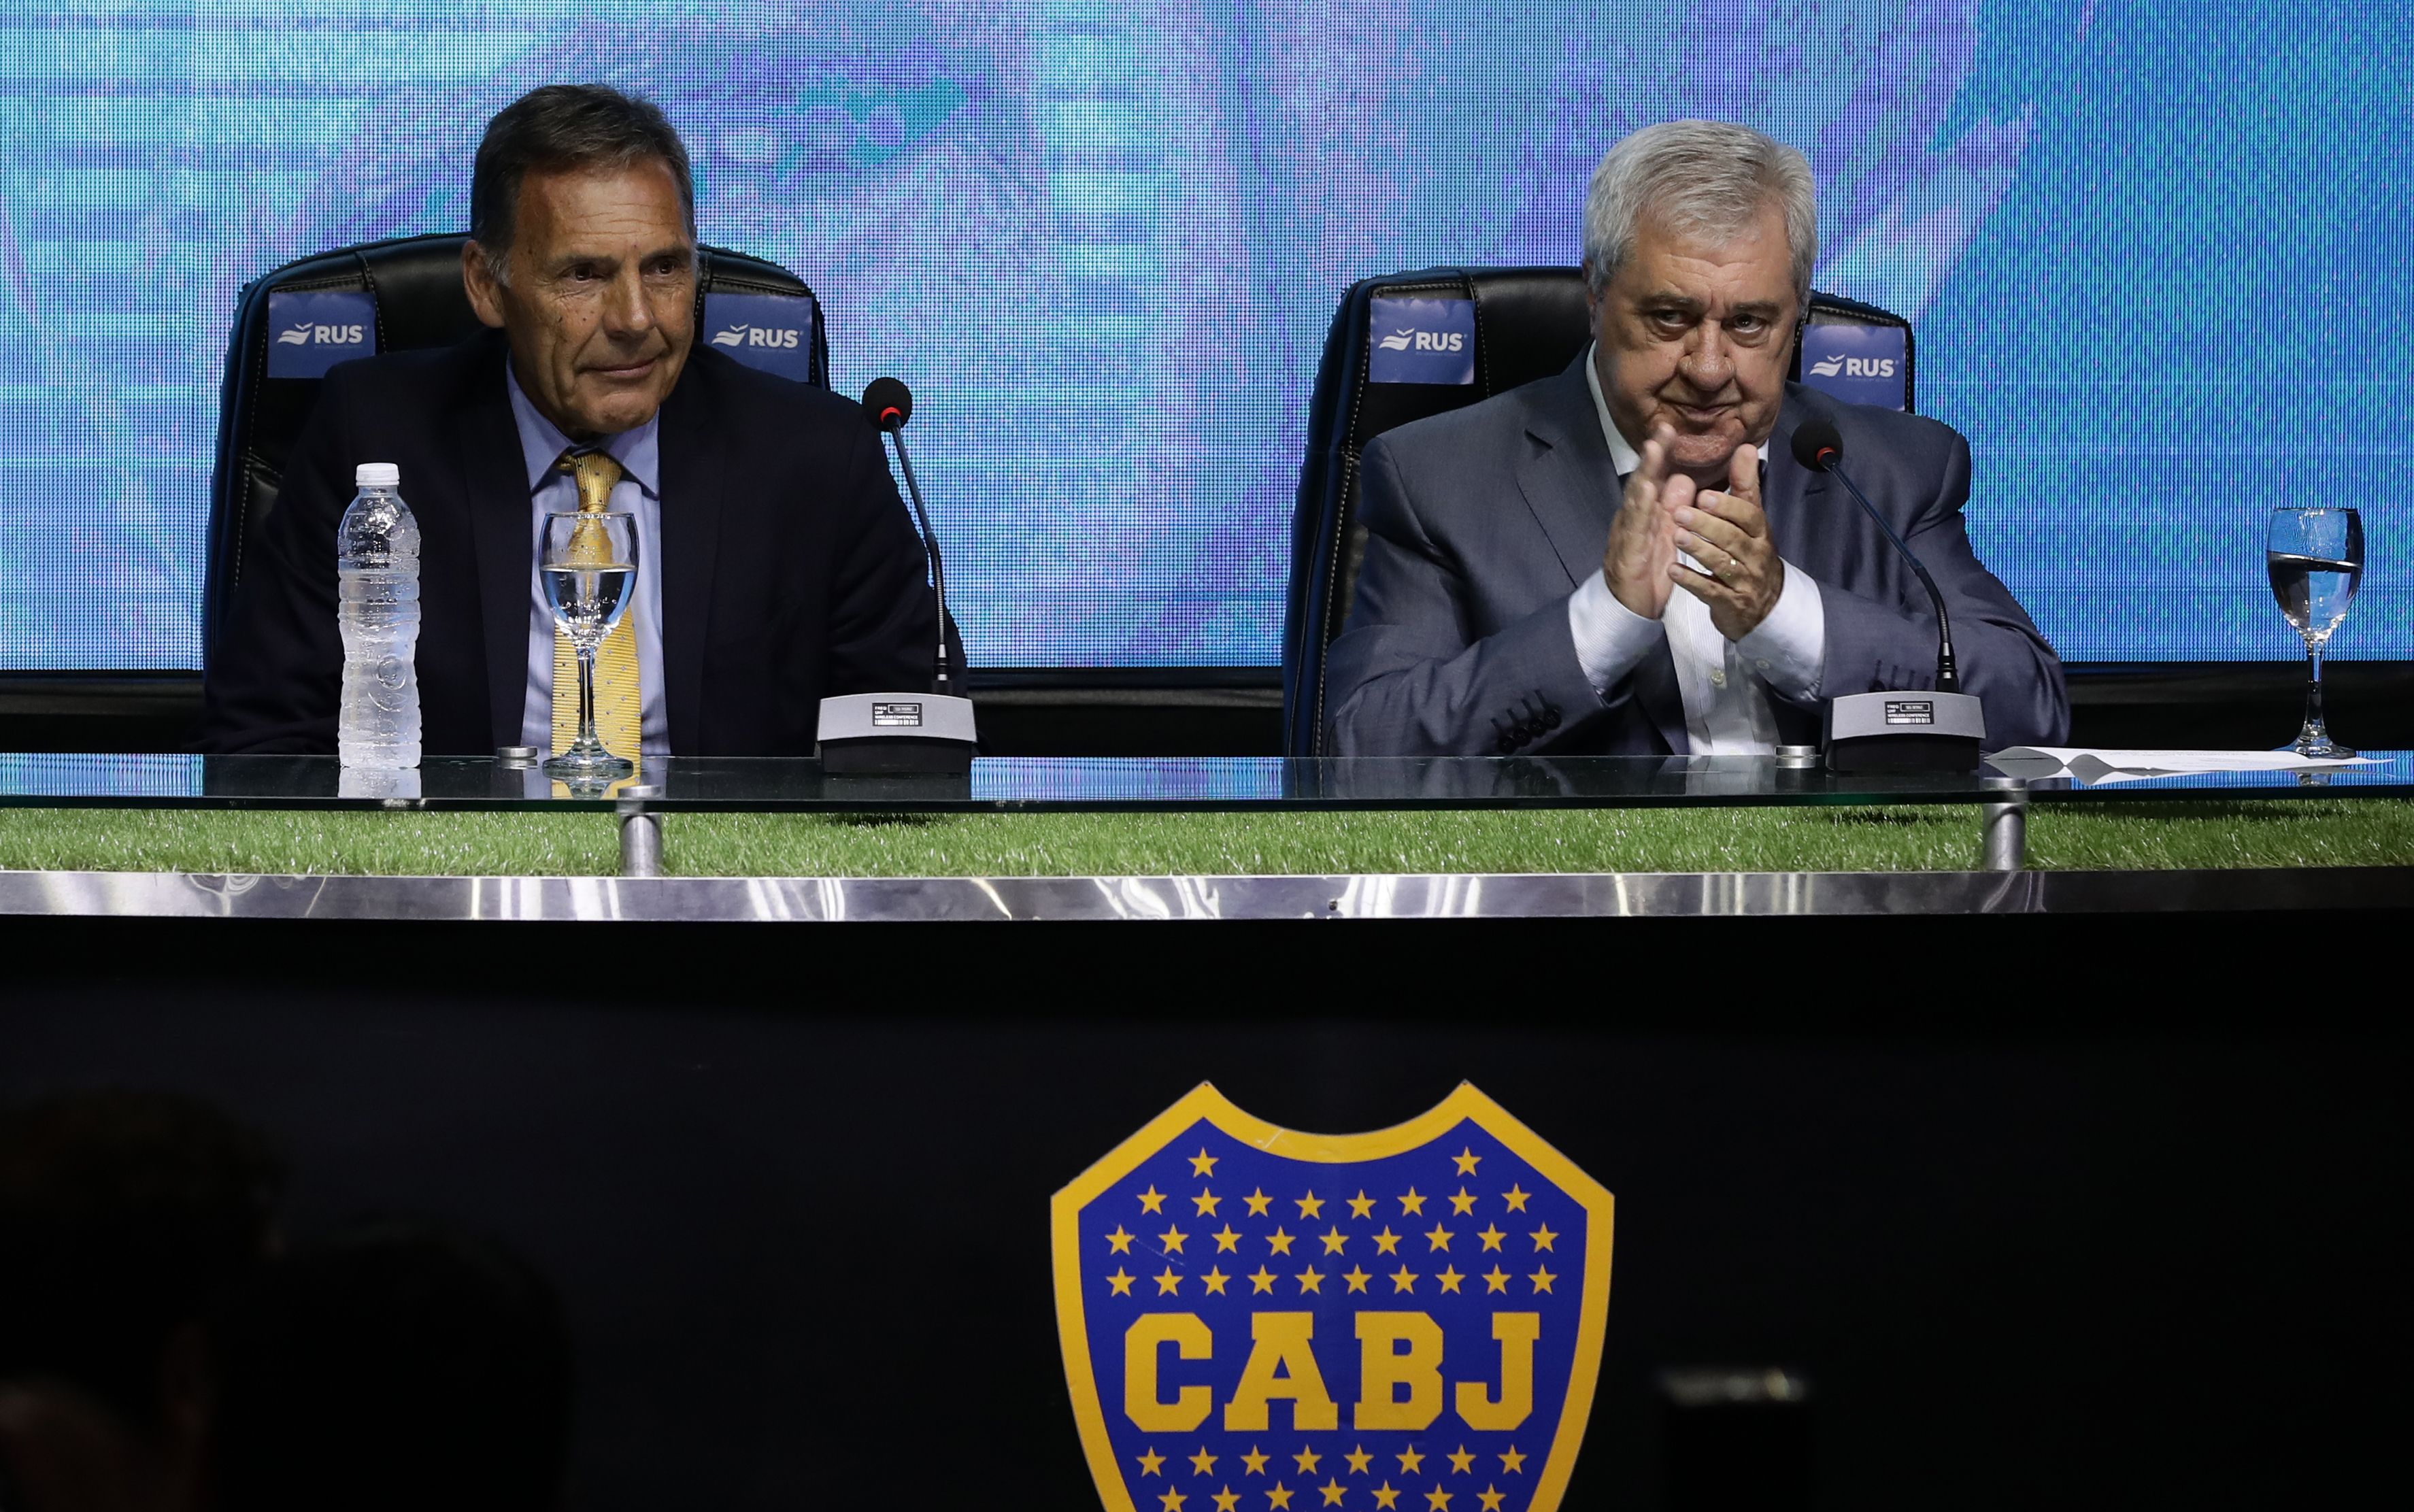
x,y
1908,732
896,733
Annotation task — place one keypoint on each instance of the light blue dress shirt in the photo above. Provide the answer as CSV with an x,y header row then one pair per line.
x,y
550,492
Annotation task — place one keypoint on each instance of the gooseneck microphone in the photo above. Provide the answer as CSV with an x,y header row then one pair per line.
x,y
1820,447
888,404
901,735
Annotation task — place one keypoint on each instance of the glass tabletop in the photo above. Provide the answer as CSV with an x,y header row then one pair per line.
x,y
1002,784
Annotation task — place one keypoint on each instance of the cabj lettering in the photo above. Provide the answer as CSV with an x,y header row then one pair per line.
x,y
1399,1374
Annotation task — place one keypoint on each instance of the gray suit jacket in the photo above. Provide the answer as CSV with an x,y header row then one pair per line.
x,y
1482,522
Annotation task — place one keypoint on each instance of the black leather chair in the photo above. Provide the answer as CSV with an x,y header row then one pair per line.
x,y
393,296
1528,323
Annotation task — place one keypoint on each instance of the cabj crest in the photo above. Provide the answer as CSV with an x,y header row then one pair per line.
x,y
1258,1319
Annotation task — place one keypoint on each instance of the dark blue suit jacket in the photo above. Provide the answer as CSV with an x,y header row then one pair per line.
x,y
790,568
1482,522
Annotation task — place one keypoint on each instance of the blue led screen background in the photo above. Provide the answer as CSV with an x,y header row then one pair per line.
x,y
2157,255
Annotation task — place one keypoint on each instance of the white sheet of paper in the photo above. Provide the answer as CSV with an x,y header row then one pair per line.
x,y
2096,766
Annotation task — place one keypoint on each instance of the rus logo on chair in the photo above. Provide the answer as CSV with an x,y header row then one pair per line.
x,y
1258,1319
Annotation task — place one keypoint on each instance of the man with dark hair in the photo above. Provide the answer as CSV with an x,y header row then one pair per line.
x,y
776,563
127,1219
395,1367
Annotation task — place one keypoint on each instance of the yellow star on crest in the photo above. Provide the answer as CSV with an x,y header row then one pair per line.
x,y
1462,1461
1331,1489
1278,1242
1121,1281
1440,1237
1215,1280
1171,1501
1205,1202
1495,1279
1264,1281
1227,1500
1387,1242
1542,1236
1257,1201
1542,1280
1438,1499
1490,1236
1403,1280
1515,1197
1255,1461
1491,1498
1335,1239
1462,1201
1203,1164
1359,1459
1512,1462
1228,1239
1119,1242
1149,1461
1310,1206
1357,1277
1308,1459
1311,1280
1167,1283
1172,1239
1450,1277
1413,1204
1466,1160
1278,1497
1385,1496
1152,1201
1409,1460
1361,1206
1202,1461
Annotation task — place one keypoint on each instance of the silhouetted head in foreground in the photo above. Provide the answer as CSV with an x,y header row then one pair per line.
x,y
127,1219
394,1365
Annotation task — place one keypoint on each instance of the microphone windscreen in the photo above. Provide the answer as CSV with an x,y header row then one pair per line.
x,y
887,403
1817,443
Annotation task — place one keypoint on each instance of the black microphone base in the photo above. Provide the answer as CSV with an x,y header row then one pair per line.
x,y
1908,732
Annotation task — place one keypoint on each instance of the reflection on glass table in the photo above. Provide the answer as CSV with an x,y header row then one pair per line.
x,y
1071,784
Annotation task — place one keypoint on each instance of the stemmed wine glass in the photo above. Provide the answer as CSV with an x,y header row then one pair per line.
x,y
589,564
2316,559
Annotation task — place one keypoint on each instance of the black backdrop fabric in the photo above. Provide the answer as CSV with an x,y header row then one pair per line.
x,y
2135,1229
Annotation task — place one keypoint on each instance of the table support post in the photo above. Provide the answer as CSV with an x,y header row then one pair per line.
x,y
641,834
2003,825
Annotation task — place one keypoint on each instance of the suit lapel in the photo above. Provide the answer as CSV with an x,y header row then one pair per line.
x,y
1570,484
1794,495
501,533
691,493
1566,476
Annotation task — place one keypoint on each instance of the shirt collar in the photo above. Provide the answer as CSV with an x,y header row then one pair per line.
x,y
1622,454
542,443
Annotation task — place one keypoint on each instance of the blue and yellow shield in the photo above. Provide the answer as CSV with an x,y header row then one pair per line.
x,y
1258,1319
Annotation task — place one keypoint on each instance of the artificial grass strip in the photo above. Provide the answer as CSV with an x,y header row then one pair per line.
x,y
2087,835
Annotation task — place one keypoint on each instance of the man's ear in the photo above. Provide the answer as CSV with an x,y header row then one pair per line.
x,y
478,279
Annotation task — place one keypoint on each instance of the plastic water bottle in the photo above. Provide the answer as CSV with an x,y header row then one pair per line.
x,y
376,571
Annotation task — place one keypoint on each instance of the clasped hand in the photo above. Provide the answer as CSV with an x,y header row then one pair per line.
x,y
1663,514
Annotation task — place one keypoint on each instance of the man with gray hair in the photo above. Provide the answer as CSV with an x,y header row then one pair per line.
x,y
1617,560
776,564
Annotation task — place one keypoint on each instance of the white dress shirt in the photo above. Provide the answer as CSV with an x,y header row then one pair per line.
x,y
1724,683
552,492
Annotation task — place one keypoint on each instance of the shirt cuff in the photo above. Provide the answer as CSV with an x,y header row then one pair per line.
x,y
1789,648
1610,638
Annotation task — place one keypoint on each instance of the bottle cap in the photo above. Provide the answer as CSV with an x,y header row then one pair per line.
x,y
376,475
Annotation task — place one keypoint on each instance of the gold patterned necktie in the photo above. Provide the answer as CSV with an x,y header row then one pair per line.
x,y
619,702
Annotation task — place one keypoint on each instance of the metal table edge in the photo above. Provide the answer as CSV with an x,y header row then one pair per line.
x,y
1409,895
